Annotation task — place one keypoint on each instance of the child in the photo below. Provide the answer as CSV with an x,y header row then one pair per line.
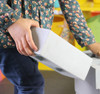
x,y
16,44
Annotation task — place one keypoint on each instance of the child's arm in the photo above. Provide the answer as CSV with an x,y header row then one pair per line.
x,y
12,23
77,24
8,16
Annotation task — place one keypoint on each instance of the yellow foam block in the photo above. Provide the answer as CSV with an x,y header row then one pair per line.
x,y
44,67
79,47
58,23
81,1
96,1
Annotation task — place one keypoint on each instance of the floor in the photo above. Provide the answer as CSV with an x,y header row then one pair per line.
x,y
54,84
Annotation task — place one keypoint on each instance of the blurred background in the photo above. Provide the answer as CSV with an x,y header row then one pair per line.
x,y
54,82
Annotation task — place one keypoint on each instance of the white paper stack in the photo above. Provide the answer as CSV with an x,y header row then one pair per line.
x,y
60,55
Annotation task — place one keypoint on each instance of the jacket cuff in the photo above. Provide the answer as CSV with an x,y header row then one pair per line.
x,y
85,41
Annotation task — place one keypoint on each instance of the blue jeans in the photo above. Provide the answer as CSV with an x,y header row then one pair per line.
x,y
21,71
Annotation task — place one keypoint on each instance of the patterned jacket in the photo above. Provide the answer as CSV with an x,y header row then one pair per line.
x,y
43,12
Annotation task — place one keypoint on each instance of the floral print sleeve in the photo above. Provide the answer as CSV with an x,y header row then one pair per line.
x,y
76,22
43,12
7,15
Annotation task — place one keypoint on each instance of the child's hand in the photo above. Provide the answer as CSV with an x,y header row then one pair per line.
x,y
95,48
21,33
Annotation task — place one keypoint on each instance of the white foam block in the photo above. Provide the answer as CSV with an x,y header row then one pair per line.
x,y
96,66
60,55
